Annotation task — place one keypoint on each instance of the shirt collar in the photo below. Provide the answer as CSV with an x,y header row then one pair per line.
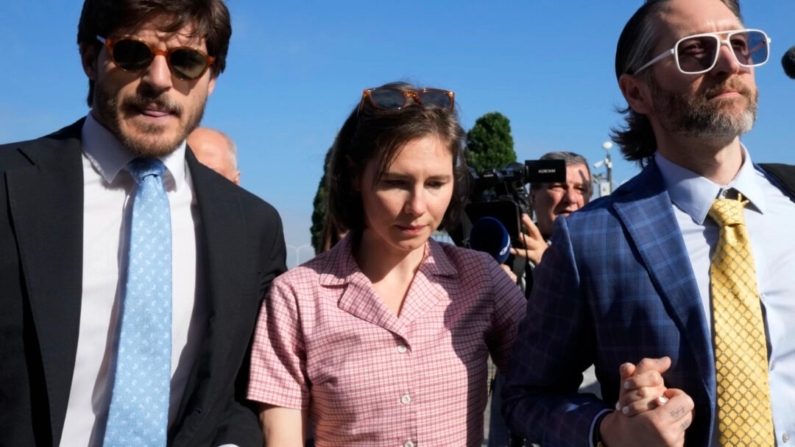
x,y
694,194
109,157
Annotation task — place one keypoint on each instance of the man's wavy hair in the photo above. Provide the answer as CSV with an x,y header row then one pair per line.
x,y
379,135
638,39
210,19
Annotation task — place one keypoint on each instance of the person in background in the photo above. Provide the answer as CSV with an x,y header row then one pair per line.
x,y
384,339
548,201
215,150
684,273
131,274
552,200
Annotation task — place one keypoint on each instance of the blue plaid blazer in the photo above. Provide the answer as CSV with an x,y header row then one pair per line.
x,y
615,286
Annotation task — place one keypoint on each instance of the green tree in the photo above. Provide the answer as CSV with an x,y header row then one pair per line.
x,y
320,211
489,142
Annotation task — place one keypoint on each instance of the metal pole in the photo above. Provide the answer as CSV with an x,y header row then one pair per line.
x,y
609,173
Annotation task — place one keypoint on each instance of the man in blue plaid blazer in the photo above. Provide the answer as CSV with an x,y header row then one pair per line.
x,y
627,277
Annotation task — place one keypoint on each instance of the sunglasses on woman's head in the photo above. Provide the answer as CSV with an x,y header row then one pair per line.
x,y
389,98
133,55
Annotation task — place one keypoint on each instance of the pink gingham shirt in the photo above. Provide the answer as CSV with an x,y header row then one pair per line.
x,y
325,341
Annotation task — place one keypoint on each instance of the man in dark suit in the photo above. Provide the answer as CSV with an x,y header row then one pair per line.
x,y
629,283
75,253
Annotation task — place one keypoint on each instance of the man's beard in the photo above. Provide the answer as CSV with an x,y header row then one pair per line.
x,y
150,140
696,115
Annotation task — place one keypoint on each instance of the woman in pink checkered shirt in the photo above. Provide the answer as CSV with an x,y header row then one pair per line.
x,y
384,339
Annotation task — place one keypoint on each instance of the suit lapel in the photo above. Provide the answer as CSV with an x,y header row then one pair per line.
x,y
46,204
646,211
223,233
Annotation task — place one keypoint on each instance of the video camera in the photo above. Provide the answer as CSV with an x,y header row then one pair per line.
x,y
501,193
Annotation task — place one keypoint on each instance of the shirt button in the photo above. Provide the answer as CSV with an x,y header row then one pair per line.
x,y
406,399
402,349
408,444
785,437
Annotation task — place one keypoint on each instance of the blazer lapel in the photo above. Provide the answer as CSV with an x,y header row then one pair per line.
x,y
46,205
223,233
646,212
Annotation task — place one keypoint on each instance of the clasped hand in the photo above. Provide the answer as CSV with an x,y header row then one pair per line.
x,y
647,413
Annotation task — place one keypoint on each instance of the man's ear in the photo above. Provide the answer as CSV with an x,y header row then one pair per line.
x,y
211,84
636,92
89,57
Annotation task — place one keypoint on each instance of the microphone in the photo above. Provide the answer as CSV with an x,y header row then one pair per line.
x,y
490,236
788,62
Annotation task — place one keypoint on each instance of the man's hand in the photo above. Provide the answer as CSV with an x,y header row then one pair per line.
x,y
642,387
651,419
534,244
663,426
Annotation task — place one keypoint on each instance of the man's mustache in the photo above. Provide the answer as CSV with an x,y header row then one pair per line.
x,y
161,101
732,83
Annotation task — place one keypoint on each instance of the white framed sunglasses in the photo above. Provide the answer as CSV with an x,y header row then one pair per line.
x,y
699,53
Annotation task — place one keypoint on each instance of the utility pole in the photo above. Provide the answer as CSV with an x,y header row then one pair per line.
x,y
605,187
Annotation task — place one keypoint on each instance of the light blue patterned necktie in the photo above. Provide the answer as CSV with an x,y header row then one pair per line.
x,y
138,414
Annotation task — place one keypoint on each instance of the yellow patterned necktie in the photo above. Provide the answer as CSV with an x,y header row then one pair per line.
x,y
744,414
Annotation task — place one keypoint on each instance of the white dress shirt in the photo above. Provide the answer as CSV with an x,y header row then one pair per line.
x,y
768,218
108,195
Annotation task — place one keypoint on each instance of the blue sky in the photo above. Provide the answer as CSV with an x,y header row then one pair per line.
x,y
296,69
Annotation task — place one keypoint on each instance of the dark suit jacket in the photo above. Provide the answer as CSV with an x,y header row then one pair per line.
x,y
615,286
41,251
